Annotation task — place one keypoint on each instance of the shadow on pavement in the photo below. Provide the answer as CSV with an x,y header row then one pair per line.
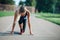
x,y
8,33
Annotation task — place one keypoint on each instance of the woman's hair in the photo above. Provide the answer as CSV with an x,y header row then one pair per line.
x,y
22,9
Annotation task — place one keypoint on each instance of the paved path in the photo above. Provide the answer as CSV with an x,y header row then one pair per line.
x,y
42,30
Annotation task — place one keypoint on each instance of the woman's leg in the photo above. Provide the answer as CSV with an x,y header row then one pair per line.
x,y
24,25
20,25
21,28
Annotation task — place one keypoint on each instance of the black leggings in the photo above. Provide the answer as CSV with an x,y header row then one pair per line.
x,y
24,23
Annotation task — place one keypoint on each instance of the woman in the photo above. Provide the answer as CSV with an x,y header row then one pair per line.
x,y
25,14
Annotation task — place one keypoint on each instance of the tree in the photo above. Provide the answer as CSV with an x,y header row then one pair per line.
x,y
33,3
28,2
57,7
21,3
44,5
7,2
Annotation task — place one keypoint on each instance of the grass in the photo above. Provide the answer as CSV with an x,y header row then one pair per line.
x,y
6,13
55,18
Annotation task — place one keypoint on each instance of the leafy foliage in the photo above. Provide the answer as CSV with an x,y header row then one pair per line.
x,y
7,2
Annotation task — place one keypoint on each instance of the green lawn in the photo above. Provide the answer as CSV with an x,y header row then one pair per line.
x,y
55,18
6,13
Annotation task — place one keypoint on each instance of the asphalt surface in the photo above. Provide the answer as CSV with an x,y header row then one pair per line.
x,y
41,29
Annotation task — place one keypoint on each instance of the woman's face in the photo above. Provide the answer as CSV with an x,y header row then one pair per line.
x,y
22,14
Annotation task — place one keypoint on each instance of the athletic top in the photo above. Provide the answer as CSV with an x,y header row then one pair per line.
x,y
24,17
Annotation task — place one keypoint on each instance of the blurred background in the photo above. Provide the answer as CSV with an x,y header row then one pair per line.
x,y
45,9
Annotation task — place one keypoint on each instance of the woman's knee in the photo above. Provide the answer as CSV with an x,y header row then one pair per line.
x,y
21,25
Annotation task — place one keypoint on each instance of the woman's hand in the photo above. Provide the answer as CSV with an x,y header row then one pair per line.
x,y
31,33
14,22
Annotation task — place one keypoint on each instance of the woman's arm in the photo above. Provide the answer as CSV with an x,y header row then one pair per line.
x,y
29,22
14,21
15,17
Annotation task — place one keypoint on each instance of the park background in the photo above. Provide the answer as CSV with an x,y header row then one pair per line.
x,y
46,9
45,19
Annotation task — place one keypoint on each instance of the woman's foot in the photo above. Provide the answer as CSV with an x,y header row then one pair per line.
x,y
20,33
23,31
